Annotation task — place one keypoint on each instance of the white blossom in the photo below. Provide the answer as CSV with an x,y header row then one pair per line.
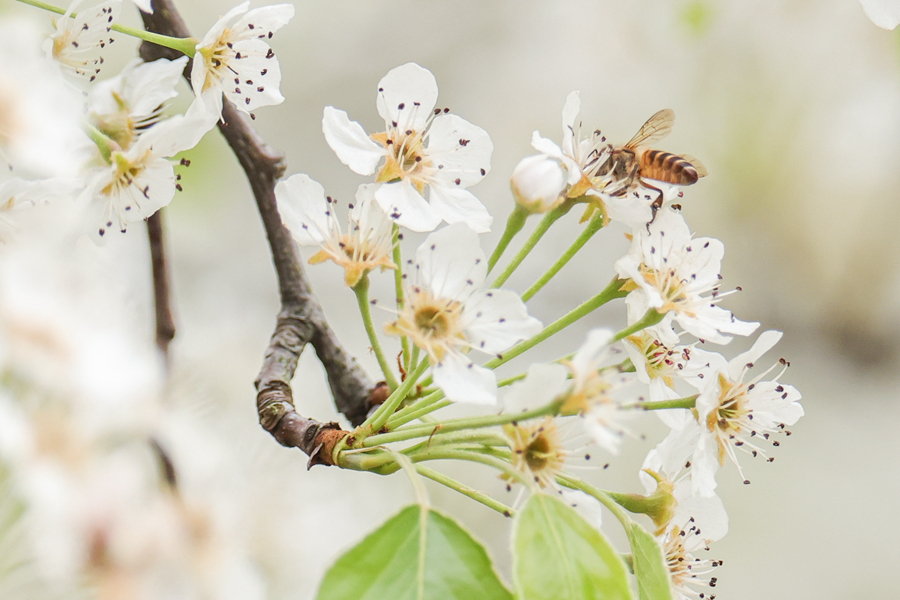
x,y
139,181
537,183
589,166
446,312
75,42
673,273
128,104
694,523
235,59
731,415
310,217
884,13
422,146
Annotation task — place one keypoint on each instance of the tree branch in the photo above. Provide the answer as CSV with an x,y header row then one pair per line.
x,y
301,319
165,326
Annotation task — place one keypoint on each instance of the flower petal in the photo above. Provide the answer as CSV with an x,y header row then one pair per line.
x,y
406,96
461,151
496,320
884,13
541,385
460,206
349,141
301,202
450,263
464,381
406,206
765,342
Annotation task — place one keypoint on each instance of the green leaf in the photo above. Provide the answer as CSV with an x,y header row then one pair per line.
x,y
557,554
402,560
650,569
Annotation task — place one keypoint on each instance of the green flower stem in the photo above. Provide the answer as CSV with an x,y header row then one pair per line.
x,y
514,225
593,226
650,318
420,413
611,292
361,290
428,429
441,453
479,438
686,402
465,490
415,406
104,144
184,45
377,420
605,498
376,460
549,219
398,289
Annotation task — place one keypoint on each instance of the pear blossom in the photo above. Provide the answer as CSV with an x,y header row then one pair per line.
x,y
693,524
128,104
447,312
422,146
537,450
585,385
884,13
670,272
590,169
235,59
537,183
76,39
139,181
309,216
731,414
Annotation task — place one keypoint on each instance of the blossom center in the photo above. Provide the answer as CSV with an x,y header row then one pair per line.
x,y
671,287
537,450
406,159
434,324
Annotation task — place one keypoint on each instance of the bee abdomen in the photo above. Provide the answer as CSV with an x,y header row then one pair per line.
x,y
667,167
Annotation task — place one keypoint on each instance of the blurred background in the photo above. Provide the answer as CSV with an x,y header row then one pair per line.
x,y
793,106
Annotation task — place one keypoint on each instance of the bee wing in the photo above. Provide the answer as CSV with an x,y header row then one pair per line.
x,y
695,162
656,128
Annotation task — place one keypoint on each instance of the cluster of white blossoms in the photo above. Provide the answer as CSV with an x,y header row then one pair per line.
x,y
124,140
118,168
670,280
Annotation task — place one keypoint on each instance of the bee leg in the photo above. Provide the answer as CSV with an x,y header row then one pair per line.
x,y
656,204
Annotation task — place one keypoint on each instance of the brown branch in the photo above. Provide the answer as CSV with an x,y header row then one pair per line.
x,y
301,319
165,326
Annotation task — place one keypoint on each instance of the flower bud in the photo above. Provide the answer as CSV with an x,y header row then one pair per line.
x,y
537,183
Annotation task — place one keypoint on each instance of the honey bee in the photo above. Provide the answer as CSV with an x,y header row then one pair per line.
x,y
636,161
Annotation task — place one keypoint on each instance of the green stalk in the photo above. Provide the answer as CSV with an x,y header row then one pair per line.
x,y
419,404
469,455
686,402
184,45
398,289
377,420
465,490
605,498
549,219
593,226
650,318
514,225
427,429
103,143
419,413
611,292
361,290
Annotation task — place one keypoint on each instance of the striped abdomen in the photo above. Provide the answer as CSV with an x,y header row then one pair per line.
x,y
667,167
